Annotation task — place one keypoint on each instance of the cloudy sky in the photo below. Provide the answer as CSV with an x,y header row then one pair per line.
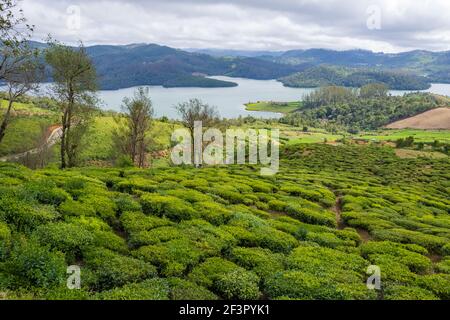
x,y
378,25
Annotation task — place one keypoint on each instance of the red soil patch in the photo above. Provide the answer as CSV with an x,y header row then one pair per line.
x,y
433,119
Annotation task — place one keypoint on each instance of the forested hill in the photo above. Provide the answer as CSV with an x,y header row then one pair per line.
x,y
151,64
339,76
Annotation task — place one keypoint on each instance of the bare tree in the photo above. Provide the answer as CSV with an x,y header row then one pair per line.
x,y
195,110
75,85
137,116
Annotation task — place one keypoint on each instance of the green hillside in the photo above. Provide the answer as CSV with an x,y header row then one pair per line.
x,y
309,232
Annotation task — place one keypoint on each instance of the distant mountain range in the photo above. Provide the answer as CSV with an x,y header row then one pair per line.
x,y
151,64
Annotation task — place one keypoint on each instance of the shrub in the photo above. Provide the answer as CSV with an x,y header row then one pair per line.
x,y
46,192
397,292
114,270
155,236
64,293
238,285
277,205
35,266
432,243
446,249
189,195
76,208
416,262
152,289
136,183
213,212
5,239
328,239
66,237
167,206
104,207
137,221
89,223
439,284
125,202
172,257
186,290
313,217
301,285
24,217
443,266
109,240
261,261
328,263
226,279
210,270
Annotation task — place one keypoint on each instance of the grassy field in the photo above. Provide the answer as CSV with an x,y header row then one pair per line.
x,y
310,232
25,133
411,154
428,136
25,109
311,137
278,107
98,142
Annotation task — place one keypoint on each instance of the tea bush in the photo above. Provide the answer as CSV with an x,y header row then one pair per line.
x,y
115,270
66,237
152,289
32,265
167,206
226,279
228,233
186,290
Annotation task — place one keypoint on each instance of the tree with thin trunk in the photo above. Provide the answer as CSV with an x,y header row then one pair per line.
x,y
18,62
74,87
195,110
24,74
136,118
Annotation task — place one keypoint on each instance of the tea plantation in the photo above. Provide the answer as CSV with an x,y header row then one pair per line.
x,y
309,232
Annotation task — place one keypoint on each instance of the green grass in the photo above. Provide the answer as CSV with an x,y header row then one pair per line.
x,y
98,141
426,136
24,108
278,107
313,137
25,133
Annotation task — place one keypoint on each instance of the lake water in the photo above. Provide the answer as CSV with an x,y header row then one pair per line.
x,y
229,101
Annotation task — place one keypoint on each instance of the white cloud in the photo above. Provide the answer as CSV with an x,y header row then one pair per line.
x,y
248,24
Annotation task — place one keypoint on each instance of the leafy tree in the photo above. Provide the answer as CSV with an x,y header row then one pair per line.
x,y
195,110
75,84
19,66
137,115
374,90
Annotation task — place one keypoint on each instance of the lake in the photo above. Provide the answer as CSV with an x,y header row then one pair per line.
x,y
229,101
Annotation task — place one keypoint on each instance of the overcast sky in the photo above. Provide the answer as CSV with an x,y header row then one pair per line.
x,y
378,25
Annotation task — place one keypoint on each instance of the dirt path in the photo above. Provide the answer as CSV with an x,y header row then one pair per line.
x,y
341,225
337,209
52,139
